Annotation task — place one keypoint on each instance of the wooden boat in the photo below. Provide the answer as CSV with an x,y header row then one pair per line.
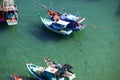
x,y
58,27
16,77
9,12
52,63
51,73
75,22
56,65
66,17
11,17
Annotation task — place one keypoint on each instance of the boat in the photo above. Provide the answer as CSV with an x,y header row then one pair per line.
x,y
66,17
56,64
75,22
58,27
51,73
2,16
11,17
52,63
17,77
9,12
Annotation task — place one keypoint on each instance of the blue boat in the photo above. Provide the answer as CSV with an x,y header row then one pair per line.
x,y
75,22
59,27
66,17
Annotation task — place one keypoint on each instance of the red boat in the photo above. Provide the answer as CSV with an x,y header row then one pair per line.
x,y
16,77
2,16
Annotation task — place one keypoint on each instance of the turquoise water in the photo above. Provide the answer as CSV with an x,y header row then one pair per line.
x,y
93,52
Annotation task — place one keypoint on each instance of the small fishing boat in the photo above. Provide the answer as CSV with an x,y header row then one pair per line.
x,y
58,27
75,22
51,73
16,77
12,17
66,17
2,16
52,63
56,64
9,12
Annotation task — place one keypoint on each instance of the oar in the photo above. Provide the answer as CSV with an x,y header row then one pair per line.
x,y
40,4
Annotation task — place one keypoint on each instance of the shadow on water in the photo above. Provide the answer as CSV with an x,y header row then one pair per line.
x,y
3,27
118,11
44,34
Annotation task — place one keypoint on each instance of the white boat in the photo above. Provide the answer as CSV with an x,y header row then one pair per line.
x,y
12,17
9,9
62,72
58,27
72,22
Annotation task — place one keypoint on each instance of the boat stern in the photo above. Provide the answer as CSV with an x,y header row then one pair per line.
x,y
11,22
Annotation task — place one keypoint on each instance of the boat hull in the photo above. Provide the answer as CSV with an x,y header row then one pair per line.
x,y
48,23
2,16
32,69
12,22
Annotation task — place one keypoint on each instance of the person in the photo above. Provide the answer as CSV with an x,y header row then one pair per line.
x,y
54,15
40,70
8,5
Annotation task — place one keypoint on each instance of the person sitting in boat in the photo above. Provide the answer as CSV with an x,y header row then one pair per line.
x,y
54,15
8,5
40,70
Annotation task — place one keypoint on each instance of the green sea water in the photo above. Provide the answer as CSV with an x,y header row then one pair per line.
x,y
93,52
